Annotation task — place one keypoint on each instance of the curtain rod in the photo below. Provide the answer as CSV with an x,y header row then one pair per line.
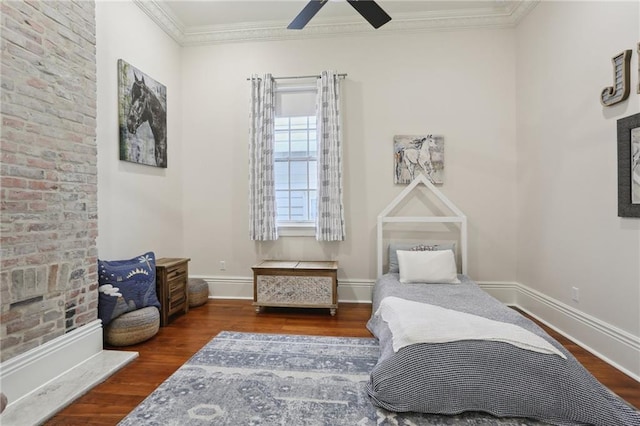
x,y
299,76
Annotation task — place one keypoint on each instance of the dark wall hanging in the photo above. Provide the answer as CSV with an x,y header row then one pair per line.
x,y
142,110
629,166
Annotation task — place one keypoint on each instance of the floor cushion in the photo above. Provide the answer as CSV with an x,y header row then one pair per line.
x,y
133,327
198,292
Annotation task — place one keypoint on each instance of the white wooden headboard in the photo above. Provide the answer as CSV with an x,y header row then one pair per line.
x,y
457,217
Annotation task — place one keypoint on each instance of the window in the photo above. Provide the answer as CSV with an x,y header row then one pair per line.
x,y
295,157
296,171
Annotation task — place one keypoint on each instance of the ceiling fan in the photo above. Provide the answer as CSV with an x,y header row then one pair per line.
x,y
369,10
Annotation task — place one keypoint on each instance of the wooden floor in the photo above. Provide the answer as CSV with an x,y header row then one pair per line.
x,y
109,402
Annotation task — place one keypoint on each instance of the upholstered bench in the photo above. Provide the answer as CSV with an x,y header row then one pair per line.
x,y
198,292
133,327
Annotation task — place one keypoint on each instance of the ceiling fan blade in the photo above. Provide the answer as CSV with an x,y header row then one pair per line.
x,y
306,14
370,11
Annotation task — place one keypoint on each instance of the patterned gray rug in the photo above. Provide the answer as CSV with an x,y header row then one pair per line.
x,y
269,379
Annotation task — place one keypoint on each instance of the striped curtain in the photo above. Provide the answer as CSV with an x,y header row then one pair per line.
x,y
330,217
262,198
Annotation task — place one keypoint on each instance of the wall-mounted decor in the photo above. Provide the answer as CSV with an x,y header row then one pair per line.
x,y
621,87
629,166
142,106
418,154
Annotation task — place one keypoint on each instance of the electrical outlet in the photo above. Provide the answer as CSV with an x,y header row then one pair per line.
x,y
575,294
223,265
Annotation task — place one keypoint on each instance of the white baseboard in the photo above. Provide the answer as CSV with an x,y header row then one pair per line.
x,y
349,290
228,287
355,291
614,346
23,373
506,292
611,344
45,379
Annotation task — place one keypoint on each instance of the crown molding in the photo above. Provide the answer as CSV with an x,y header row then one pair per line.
x,y
507,17
166,20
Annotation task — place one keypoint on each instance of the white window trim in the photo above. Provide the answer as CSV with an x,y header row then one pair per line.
x,y
296,229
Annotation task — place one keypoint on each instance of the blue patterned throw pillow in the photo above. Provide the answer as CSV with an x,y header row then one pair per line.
x,y
126,285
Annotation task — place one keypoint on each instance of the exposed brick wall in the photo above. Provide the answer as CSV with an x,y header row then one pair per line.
x,y
48,174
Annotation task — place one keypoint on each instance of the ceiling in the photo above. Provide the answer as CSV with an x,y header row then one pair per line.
x,y
192,22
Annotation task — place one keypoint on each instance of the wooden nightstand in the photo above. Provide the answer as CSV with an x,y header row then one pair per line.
x,y
171,285
296,284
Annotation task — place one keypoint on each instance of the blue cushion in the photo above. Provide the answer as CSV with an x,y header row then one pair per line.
x,y
126,285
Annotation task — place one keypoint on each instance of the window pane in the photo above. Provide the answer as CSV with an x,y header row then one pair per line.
x,y
313,204
282,123
281,136
281,175
282,203
299,122
299,178
280,152
299,207
313,145
313,175
299,143
299,135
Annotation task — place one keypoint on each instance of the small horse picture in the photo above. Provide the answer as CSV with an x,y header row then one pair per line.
x,y
143,117
418,154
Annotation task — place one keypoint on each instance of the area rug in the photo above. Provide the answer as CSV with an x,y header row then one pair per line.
x,y
270,379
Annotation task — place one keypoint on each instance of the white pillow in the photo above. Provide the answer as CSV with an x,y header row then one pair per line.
x,y
427,267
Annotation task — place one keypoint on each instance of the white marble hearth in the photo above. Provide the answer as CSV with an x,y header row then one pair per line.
x,y
41,404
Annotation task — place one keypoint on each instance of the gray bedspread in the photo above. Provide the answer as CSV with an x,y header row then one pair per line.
x,y
492,377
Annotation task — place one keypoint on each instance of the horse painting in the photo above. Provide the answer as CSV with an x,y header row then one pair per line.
x,y
418,154
143,118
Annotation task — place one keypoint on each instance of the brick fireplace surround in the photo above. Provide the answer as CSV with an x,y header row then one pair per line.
x,y
48,178
49,173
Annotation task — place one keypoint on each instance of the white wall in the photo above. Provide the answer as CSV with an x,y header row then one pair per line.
x,y
540,183
569,234
139,207
457,84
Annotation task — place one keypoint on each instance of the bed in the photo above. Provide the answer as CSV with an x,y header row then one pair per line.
x,y
538,379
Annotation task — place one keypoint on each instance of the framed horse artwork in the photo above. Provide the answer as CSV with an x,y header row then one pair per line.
x,y
142,111
415,155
